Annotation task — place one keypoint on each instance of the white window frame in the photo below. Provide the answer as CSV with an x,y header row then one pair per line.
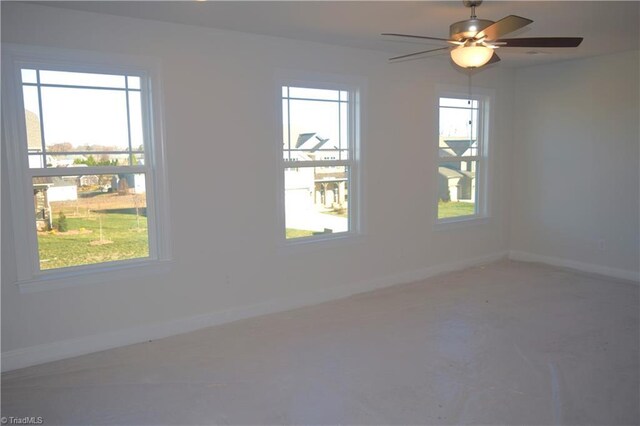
x,y
485,98
30,277
356,87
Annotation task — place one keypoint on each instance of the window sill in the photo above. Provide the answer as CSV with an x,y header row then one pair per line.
x,y
303,245
96,275
444,225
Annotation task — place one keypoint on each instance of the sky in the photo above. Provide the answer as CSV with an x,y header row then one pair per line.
x,y
98,116
85,116
327,119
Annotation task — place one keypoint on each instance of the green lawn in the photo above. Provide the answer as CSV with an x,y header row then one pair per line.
x,y
297,233
339,213
448,209
122,238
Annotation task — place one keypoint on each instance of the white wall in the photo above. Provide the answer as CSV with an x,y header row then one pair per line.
x,y
218,89
575,170
62,193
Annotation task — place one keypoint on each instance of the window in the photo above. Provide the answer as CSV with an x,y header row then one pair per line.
x,y
87,171
319,141
461,157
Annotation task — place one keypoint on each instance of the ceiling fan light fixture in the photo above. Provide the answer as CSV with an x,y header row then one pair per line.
x,y
471,56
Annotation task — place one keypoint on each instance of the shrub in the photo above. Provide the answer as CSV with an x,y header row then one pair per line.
x,y
62,223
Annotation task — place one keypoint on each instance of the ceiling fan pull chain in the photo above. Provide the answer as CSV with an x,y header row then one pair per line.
x,y
469,102
469,99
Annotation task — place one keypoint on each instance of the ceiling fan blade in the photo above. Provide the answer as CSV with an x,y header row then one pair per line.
x,y
542,42
397,58
417,37
504,26
495,58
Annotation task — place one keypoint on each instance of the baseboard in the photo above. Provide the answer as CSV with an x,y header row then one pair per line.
x,y
39,354
574,264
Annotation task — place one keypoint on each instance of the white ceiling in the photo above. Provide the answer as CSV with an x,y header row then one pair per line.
x,y
606,26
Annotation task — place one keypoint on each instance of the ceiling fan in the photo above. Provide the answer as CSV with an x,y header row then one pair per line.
x,y
474,40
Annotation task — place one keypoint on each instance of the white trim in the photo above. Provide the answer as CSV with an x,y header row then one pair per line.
x,y
592,268
47,352
460,222
96,274
486,99
321,242
91,170
356,86
14,127
83,60
30,277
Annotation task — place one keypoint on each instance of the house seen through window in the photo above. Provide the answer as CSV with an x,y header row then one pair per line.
x,y
318,152
460,158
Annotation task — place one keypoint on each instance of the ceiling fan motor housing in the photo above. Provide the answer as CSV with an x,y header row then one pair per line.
x,y
464,30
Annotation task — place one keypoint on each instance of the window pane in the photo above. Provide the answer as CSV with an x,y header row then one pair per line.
x,y
29,76
316,201
307,93
135,121
138,159
455,147
81,79
344,130
84,119
315,129
89,219
36,161
459,103
459,123
32,118
133,82
457,191
88,160
285,129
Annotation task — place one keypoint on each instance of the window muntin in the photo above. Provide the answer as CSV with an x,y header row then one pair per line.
x,y
71,115
139,72
318,152
460,158
91,125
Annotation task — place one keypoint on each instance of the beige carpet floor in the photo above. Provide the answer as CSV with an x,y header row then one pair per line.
x,y
507,343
